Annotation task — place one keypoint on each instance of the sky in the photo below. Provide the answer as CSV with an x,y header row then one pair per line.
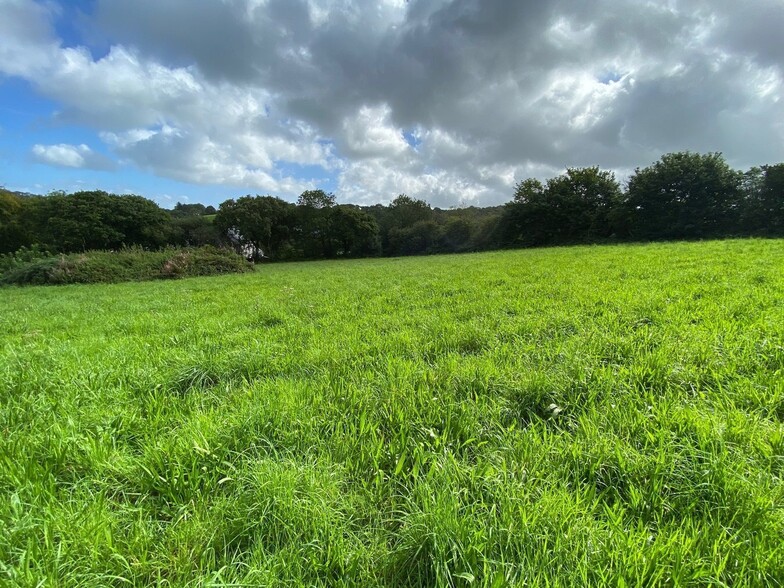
x,y
449,101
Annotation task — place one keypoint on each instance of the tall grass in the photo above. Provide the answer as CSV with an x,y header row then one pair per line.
x,y
576,416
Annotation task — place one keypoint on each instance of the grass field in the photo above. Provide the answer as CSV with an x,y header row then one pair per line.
x,y
555,417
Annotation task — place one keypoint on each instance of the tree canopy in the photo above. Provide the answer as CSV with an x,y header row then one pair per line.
x,y
683,196
571,208
261,223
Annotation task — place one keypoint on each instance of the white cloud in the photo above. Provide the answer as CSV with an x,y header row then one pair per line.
x,y
195,158
76,156
369,133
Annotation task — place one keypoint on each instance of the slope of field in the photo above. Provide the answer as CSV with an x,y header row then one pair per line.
x,y
577,416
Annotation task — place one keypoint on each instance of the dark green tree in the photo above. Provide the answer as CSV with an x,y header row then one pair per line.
x,y
455,235
571,208
353,233
396,223
417,239
259,226
519,224
12,234
763,200
684,196
196,209
314,217
141,221
9,206
96,220
405,211
316,199
195,231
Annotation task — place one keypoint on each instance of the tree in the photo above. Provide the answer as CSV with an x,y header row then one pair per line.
x,y
354,233
314,216
406,211
96,220
455,235
419,238
394,220
12,236
584,198
195,231
196,209
763,203
571,208
520,224
141,221
316,199
258,225
684,196
9,206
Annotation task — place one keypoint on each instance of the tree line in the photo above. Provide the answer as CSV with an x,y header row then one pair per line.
x,y
682,196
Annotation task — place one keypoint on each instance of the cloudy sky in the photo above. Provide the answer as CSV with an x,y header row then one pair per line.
x,y
451,101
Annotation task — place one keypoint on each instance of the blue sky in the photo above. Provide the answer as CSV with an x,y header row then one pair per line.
x,y
451,101
27,118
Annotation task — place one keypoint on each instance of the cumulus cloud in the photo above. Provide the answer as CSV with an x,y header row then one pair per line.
x,y
194,157
76,156
26,38
448,100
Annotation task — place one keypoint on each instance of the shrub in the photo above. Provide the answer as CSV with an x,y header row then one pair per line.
x,y
134,264
21,257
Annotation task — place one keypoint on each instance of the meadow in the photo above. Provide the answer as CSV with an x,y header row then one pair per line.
x,y
555,417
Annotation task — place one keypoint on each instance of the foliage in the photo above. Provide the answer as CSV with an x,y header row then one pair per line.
x,y
571,208
589,416
96,220
190,210
456,235
314,233
403,224
406,211
133,264
317,199
416,239
9,206
763,207
261,223
684,196
354,233
195,231
13,233
21,257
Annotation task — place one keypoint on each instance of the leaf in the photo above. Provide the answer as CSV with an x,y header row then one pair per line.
x,y
400,463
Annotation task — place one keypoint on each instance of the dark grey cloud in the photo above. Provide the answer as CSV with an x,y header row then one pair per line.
x,y
752,29
180,32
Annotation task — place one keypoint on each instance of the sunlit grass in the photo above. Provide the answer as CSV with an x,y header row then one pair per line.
x,y
563,417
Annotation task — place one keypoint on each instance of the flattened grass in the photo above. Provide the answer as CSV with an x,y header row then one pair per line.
x,y
576,416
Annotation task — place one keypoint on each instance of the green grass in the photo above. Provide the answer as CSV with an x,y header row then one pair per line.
x,y
556,417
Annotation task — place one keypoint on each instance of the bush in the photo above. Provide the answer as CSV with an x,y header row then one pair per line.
x,y
133,264
23,256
